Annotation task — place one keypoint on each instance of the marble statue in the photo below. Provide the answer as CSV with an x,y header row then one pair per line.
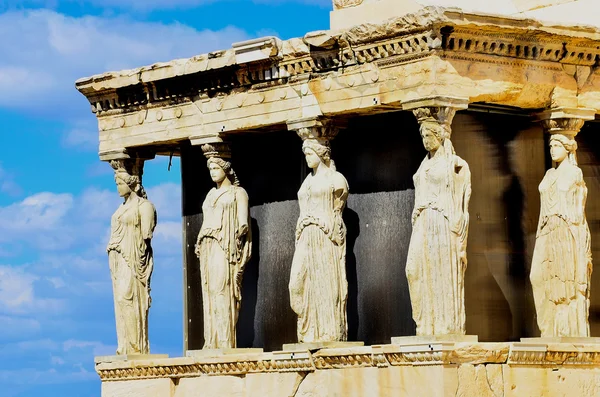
x,y
224,247
318,286
437,254
337,4
130,258
562,261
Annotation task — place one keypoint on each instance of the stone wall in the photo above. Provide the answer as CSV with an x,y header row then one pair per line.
x,y
378,154
465,370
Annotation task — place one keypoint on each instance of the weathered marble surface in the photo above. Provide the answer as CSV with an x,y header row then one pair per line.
x,y
370,67
437,255
352,12
561,268
461,369
318,284
224,246
130,258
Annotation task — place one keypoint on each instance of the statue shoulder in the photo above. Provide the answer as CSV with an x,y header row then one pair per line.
x,y
240,192
339,181
461,165
146,207
571,175
575,172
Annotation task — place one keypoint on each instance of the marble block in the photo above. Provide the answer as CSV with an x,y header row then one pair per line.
x,y
128,357
418,339
570,340
438,369
291,347
205,353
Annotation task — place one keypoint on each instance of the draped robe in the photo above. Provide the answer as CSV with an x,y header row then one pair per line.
x,y
318,286
223,256
437,258
562,261
131,264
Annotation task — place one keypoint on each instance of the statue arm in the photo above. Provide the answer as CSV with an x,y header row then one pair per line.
x,y
340,196
341,190
148,219
462,195
242,212
580,199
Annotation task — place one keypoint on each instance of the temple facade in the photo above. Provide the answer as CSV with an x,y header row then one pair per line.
x,y
365,96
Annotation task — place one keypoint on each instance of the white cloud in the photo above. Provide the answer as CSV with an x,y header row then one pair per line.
x,y
97,348
150,5
38,221
68,48
167,200
38,71
18,327
96,204
29,376
16,289
47,304
42,211
55,360
83,134
17,294
7,180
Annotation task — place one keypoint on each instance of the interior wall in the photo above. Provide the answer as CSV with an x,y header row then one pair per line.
x,y
378,155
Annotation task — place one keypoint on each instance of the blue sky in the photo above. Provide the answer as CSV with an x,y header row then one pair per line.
x,y
56,197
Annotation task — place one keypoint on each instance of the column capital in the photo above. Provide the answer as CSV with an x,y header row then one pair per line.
x,y
213,145
456,103
217,149
125,154
319,128
565,121
203,139
438,109
130,166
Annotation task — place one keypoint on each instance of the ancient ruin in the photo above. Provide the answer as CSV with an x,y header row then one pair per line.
x,y
358,279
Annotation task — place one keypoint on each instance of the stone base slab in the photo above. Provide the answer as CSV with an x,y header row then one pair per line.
x,y
424,339
438,369
294,347
128,357
221,352
560,340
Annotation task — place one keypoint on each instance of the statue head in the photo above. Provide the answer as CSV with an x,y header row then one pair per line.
x,y
563,147
128,177
316,153
433,135
435,125
218,167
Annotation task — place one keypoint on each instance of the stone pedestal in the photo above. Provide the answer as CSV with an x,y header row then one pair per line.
x,y
422,339
440,369
292,347
569,340
128,357
221,352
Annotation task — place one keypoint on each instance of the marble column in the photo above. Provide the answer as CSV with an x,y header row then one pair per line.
x,y
437,255
318,285
223,248
562,261
130,255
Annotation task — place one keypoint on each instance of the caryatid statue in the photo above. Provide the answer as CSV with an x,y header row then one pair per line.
x,y
318,285
130,257
224,247
561,268
437,254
